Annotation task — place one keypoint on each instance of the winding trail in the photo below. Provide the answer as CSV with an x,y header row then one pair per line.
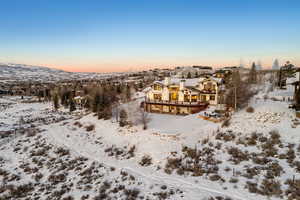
x,y
189,188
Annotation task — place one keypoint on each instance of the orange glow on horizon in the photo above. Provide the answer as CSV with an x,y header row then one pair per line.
x,y
128,66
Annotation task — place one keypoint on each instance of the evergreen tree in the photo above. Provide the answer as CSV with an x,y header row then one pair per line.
x,y
128,92
87,103
253,74
196,75
141,85
123,118
297,97
238,92
72,105
65,96
189,75
96,102
55,101
119,89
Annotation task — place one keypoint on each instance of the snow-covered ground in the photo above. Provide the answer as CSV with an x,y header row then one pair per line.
x,y
100,160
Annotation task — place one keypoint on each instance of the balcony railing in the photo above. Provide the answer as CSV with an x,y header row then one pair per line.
x,y
174,102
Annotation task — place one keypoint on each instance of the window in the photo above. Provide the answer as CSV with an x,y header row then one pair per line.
x,y
157,96
174,96
157,87
212,97
173,88
194,98
186,98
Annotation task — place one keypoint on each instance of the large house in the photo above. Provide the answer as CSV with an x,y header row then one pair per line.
x,y
178,96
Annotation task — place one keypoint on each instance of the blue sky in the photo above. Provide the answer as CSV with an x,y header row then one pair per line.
x,y
112,35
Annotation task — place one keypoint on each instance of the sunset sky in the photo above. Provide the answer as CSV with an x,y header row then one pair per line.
x,y
121,35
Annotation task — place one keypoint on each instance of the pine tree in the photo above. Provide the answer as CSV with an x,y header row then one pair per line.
x,y
196,75
253,74
72,105
189,75
123,118
55,101
297,97
238,92
128,93
96,102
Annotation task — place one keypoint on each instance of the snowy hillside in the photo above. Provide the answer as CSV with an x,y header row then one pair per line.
x,y
19,72
47,154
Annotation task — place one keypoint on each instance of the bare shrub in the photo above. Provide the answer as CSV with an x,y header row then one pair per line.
x,y
31,132
216,177
77,123
21,191
225,136
237,155
226,123
146,161
131,151
270,187
275,136
252,140
90,127
131,193
37,177
293,190
290,155
274,169
62,152
233,180
251,172
57,178
252,187
143,118
250,109
172,163
259,159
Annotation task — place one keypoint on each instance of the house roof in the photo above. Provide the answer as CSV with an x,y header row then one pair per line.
x,y
176,81
193,88
218,80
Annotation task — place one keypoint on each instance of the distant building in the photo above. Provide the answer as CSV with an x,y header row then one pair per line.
x,y
259,65
192,71
275,65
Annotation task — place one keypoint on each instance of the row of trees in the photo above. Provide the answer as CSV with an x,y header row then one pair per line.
x,y
95,98
239,89
104,100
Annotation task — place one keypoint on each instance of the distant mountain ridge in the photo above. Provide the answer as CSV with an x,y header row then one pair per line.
x,y
10,72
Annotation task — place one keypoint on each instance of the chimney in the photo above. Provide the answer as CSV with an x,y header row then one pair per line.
x,y
181,84
167,80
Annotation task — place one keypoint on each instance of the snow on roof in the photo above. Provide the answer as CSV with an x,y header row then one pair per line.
x,y
78,97
147,89
291,80
190,82
218,80
176,81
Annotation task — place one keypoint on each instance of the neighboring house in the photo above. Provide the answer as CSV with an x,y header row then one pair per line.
x,y
177,96
192,71
296,84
